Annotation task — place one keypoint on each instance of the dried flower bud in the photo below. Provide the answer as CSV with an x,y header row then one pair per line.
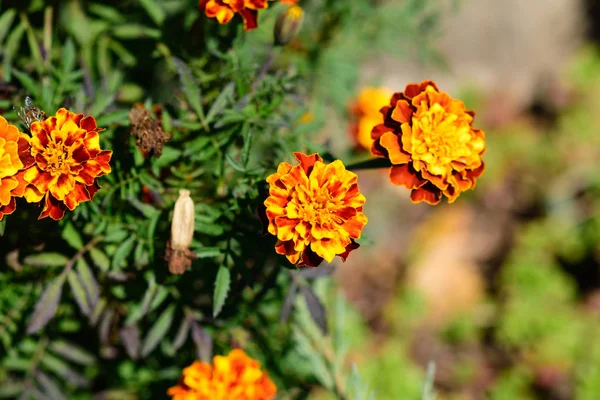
x,y
178,252
150,137
182,227
288,25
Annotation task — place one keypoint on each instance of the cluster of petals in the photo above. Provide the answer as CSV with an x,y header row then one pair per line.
x,y
224,10
14,158
232,377
431,143
68,162
315,210
365,110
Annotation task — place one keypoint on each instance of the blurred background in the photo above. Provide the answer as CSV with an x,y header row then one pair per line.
x,y
502,288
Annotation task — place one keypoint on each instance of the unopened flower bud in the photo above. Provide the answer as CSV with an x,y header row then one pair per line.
x,y
182,231
288,25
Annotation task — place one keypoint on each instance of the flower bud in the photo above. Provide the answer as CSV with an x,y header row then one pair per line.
x,y
178,252
182,227
288,25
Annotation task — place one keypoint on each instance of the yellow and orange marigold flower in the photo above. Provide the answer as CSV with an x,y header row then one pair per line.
x,y
234,377
315,210
14,157
429,138
365,110
224,10
68,162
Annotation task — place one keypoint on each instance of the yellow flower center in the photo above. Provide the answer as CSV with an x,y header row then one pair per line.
x,y
58,158
316,206
440,137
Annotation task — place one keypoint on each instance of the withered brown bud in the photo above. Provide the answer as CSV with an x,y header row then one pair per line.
x,y
150,137
178,252
288,25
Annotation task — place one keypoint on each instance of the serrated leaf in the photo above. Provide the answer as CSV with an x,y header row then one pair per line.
x,y
318,365
190,87
72,352
79,293
247,135
72,236
158,331
46,260
222,283
130,336
47,305
315,308
89,282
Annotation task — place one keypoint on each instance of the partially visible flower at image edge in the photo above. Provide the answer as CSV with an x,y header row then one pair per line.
x,y
14,157
235,377
315,210
224,10
365,110
68,162
430,141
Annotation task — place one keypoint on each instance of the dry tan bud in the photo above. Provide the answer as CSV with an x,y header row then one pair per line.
x,y
288,25
182,227
178,252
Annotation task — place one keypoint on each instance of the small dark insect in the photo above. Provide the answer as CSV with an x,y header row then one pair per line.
x,y
150,137
30,113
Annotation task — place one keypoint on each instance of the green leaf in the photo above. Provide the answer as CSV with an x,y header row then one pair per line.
x,y
50,387
89,282
72,352
122,252
158,331
154,10
6,21
222,283
79,292
46,260
135,31
224,98
247,135
47,305
207,252
100,259
10,50
68,56
72,236
63,370
2,227
190,88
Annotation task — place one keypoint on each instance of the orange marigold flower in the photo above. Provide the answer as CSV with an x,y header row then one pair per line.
x,y
68,162
234,377
224,10
366,112
289,1
14,157
429,138
315,210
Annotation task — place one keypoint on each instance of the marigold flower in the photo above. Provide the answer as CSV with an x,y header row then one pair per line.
x,y
68,162
224,10
315,210
429,138
14,157
234,377
366,112
288,25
